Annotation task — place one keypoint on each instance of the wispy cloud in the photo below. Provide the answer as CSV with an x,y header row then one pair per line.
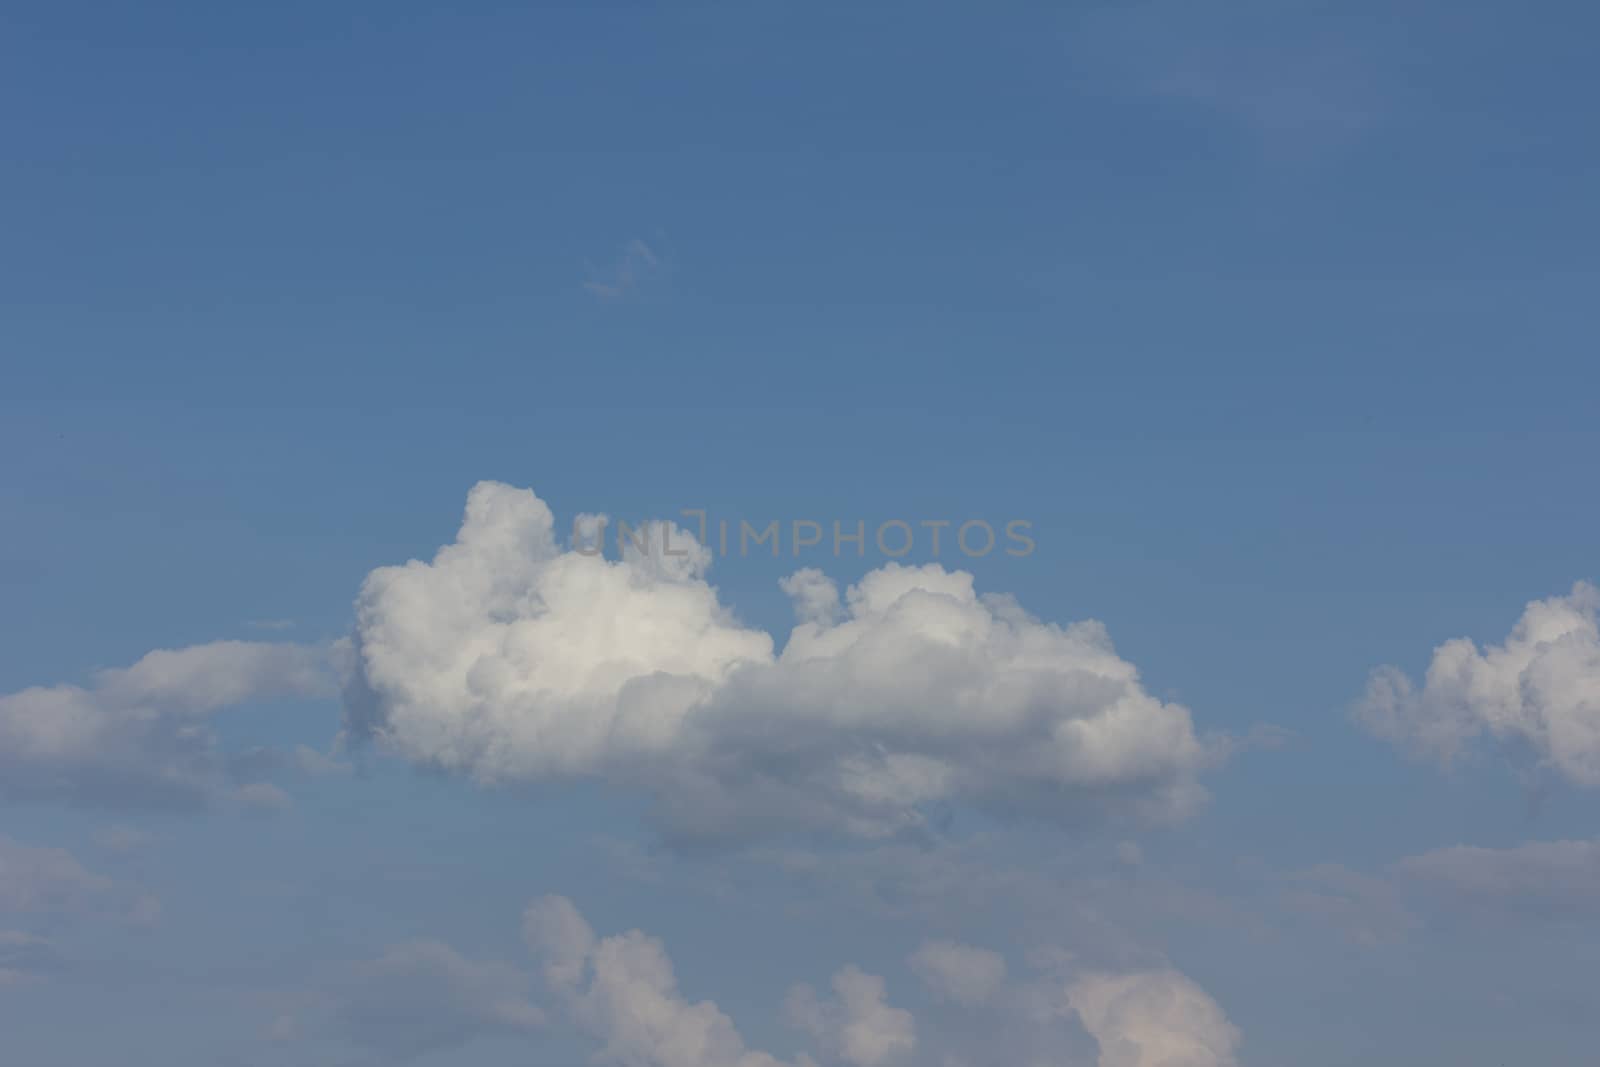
x,y
632,268
140,735
1284,74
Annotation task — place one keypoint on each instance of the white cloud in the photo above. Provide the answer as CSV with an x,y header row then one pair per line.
x,y
512,659
200,679
141,734
1153,1019
1540,689
856,1024
960,973
815,596
622,991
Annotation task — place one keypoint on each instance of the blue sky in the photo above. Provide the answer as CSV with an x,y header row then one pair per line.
x,y
1274,322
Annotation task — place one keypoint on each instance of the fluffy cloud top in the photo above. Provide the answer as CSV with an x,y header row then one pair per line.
x,y
623,992
1154,1019
142,733
512,659
857,1022
1540,688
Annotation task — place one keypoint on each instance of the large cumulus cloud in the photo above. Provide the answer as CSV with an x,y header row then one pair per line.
x,y
1540,689
514,659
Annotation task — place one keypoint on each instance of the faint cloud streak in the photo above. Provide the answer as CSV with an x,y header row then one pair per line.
x,y
632,268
